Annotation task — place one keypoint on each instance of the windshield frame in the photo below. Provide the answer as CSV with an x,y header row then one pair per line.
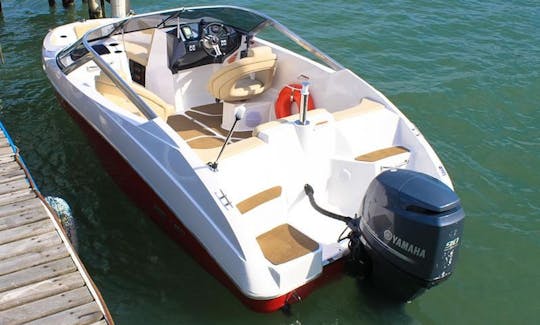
x,y
67,63
121,26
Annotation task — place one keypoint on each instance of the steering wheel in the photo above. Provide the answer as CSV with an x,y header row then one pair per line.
x,y
214,39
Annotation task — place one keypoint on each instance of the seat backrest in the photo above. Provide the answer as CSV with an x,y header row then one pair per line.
x,y
109,90
105,85
245,78
82,27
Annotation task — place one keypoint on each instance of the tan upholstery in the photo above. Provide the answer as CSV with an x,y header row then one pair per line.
x,y
140,51
231,149
109,90
81,28
245,78
365,106
381,154
317,116
137,52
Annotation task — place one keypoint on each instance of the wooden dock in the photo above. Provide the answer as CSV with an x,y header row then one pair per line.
x,y
42,280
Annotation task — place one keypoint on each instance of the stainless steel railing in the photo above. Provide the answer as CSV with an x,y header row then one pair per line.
x,y
118,81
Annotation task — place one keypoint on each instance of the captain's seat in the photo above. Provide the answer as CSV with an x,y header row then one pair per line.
x,y
245,78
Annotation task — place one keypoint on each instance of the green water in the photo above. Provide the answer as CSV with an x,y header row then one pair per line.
x,y
467,73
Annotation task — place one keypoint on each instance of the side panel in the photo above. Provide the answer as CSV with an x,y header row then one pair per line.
x,y
137,189
177,187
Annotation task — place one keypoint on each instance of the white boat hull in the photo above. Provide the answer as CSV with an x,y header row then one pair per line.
x,y
204,208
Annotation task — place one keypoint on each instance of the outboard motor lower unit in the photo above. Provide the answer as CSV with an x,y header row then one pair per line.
x,y
411,228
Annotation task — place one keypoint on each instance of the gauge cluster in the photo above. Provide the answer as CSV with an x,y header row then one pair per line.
x,y
201,43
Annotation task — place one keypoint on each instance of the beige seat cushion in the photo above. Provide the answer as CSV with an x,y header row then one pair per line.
x,y
105,85
317,116
140,51
83,27
245,78
137,52
231,149
245,87
381,154
366,105
109,90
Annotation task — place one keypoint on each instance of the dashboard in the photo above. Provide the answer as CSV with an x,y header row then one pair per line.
x,y
201,43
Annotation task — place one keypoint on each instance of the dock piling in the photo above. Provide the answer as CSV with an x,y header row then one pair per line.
x,y
120,8
67,3
96,9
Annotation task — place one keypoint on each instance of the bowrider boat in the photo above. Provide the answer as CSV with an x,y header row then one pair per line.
x,y
274,169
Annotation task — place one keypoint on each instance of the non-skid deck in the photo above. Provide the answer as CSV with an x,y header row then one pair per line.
x,y
42,280
201,127
285,243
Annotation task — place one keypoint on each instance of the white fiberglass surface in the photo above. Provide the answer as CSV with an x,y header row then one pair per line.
x,y
289,155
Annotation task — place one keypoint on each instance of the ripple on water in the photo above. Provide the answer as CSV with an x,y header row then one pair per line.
x,y
467,73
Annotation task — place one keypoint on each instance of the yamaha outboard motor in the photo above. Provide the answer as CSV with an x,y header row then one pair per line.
x,y
410,227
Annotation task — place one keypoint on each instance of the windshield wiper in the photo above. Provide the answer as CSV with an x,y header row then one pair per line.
x,y
120,25
175,15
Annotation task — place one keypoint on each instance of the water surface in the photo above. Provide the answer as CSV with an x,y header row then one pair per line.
x,y
467,73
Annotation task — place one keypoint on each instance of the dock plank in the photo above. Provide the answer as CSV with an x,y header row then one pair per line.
x,y
7,158
4,142
82,315
31,244
12,176
19,262
13,186
22,218
17,196
5,150
11,167
36,274
39,290
19,207
42,280
45,307
24,231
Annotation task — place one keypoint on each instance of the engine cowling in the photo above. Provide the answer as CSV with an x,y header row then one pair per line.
x,y
411,228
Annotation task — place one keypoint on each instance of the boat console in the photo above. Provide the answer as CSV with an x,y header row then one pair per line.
x,y
201,43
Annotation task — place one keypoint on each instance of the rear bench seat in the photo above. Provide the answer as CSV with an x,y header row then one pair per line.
x,y
365,146
366,133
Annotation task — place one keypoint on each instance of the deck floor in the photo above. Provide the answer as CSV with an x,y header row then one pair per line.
x,y
41,282
201,127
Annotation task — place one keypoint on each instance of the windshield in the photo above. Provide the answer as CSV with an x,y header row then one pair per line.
x,y
238,18
246,21
243,20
